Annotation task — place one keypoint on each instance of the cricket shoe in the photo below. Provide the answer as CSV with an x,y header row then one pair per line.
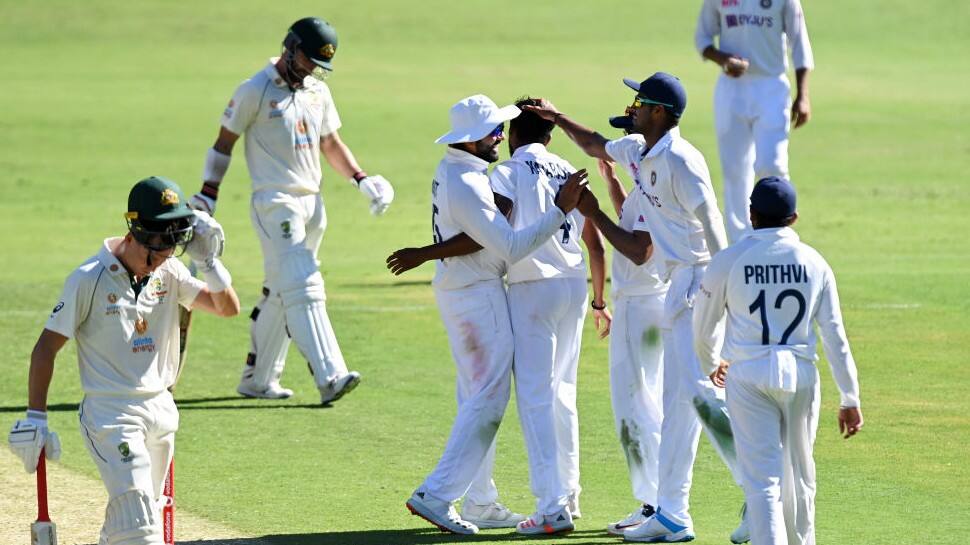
x,y
742,534
439,513
659,529
493,515
539,525
273,391
574,506
634,519
339,387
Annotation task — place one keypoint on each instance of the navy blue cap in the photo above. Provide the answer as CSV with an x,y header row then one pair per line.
x,y
773,197
661,88
624,122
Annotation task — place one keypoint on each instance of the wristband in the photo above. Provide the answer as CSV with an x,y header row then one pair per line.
x,y
216,165
359,175
211,190
555,118
593,304
216,275
33,414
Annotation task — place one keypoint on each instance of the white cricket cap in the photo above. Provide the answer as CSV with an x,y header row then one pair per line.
x,y
474,117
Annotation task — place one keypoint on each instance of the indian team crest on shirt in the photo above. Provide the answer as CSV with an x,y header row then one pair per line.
x,y
766,4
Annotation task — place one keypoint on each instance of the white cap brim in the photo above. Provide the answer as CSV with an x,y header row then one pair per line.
x,y
473,134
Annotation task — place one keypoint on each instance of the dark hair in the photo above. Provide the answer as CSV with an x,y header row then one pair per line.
x,y
529,127
769,222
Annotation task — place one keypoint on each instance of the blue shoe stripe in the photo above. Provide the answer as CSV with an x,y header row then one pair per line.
x,y
669,524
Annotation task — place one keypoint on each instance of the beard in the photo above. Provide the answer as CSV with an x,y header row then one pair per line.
x,y
487,152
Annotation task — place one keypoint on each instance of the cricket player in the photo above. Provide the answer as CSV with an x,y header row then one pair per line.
x,y
685,226
636,350
289,118
121,308
773,288
472,301
752,96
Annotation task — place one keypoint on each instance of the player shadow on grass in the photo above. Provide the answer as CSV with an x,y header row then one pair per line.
x,y
404,536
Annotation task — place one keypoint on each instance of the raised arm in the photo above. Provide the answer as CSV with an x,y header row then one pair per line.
x,y
591,142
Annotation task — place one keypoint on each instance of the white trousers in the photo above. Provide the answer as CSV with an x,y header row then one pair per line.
x,y
290,229
775,432
547,319
636,385
132,443
752,119
476,319
691,402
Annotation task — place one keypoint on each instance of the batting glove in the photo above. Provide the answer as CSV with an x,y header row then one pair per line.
x,y
208,240
379,191
29,435
204,203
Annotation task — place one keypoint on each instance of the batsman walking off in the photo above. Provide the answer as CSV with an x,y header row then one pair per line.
x,y
121,308
289,118
774,289
752,95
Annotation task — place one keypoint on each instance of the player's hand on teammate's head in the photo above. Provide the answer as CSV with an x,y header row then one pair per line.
x,y
801,111
850,421
546,109
603,321
570,192
403,260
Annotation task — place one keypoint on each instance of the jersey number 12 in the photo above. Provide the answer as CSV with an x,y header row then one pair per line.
x,y
759,305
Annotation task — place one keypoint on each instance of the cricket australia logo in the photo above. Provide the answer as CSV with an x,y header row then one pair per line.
x,y
285,227
125,451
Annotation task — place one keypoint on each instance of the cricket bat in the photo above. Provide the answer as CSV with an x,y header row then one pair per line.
x,y
43,531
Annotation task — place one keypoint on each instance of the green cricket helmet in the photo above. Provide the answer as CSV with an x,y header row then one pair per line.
x,y
158,215
317,40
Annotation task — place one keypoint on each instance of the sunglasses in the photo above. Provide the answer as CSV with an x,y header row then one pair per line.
x,y
498,131
640,101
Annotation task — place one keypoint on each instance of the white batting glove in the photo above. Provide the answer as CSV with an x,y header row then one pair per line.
x,y
29,435
204,203
379,191
208,240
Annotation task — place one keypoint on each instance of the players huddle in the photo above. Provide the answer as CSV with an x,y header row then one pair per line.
x,y
704,335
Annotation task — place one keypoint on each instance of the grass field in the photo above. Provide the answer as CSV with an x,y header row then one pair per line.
x,y
99,94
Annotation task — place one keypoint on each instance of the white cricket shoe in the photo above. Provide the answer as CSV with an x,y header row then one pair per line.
x,y
634,519
742,534
273,391
439,513
494,515
659,529
339,387
574,506
538,525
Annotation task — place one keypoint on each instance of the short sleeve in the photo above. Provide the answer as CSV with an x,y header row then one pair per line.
x,y
501,180
73,306
691,180
242,109
188,286
640,222
627,151
330,121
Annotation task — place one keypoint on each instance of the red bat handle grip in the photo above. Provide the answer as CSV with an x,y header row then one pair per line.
x,y
42,515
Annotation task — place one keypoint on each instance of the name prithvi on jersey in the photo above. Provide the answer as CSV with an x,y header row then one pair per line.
x,y
776,274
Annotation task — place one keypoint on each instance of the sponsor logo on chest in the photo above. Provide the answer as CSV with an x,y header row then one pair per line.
x,y
744,19
143,344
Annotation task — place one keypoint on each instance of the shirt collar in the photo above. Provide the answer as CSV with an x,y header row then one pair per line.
x,y
774,232
108,258
532,149
455,155
665,141
273,74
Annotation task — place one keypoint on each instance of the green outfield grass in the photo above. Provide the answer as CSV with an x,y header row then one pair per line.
x,y
99,94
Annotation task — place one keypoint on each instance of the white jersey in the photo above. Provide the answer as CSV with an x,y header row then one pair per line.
x,y
462,202
628,278
774,288
674,179
127,346
530,179
758,30
283,130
